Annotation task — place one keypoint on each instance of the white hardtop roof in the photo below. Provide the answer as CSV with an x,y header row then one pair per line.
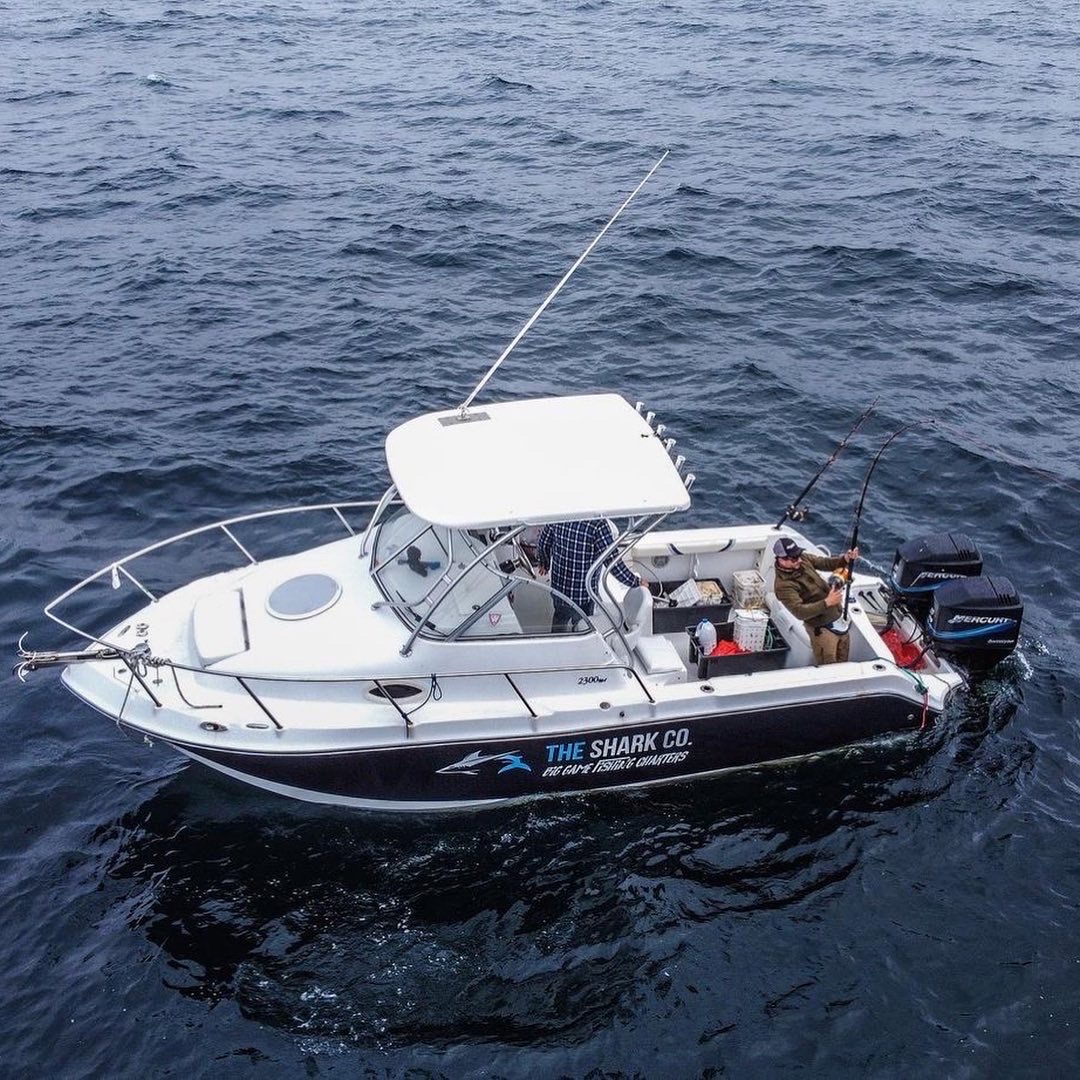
x,y
548,459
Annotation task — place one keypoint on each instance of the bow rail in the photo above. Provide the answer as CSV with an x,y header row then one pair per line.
x,y
120,567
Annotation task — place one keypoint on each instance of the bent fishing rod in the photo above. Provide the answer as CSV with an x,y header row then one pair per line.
x,y
464,408
793,511
854,541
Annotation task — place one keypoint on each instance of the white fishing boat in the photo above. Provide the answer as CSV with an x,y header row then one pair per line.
x,y
407,659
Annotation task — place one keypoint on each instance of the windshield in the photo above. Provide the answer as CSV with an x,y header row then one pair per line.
x,y
437,575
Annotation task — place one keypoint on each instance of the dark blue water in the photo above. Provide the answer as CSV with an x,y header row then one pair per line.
x,y
239,242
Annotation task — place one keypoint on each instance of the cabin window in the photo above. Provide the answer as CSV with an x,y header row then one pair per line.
x,y
428,573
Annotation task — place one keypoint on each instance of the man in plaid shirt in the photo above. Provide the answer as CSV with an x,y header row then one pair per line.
x,y
568,549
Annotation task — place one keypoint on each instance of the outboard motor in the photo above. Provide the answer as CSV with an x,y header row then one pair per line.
x,y
923,566
976,619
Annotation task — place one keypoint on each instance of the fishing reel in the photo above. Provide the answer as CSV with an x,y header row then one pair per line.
x,y
838,580
797,513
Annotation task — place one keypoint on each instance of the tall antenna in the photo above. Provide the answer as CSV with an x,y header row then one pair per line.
x,y
555,292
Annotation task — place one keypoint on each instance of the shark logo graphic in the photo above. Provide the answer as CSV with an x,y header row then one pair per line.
x,y
469,765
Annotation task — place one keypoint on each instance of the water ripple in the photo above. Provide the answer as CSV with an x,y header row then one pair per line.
x,y
241,243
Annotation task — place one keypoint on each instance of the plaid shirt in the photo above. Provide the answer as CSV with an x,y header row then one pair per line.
x,y
569,548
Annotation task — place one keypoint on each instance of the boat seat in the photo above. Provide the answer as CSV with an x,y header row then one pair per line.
x,y
637,606
660,659
792,629
219,626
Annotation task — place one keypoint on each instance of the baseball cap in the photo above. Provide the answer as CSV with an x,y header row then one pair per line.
x,y
786,548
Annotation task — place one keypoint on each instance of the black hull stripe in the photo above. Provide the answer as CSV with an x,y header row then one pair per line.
x,y
488,768
551,736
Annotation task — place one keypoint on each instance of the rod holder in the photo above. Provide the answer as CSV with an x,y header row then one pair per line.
x,y
669,444
680,461
660,429
649,418
638,406
689,481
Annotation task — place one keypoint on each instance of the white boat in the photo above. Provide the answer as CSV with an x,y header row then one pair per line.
x,y
411,664
407,659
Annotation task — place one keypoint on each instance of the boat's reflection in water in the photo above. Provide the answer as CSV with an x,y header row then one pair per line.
x,y
548,920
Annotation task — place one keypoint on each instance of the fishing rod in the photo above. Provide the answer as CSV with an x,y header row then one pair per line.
x,y
854,542
554,292
793,510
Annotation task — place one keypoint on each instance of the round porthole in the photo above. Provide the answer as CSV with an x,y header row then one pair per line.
x,y
395,691
304,596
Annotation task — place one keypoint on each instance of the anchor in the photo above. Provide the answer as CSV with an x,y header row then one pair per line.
x,y
32,660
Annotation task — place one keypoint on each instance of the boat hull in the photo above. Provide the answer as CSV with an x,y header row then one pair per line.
x,y
428,775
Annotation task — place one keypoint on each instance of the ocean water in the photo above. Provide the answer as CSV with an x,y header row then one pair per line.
x,y
239,242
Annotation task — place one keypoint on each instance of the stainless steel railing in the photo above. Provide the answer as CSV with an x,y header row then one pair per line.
x,y
140,665
120,568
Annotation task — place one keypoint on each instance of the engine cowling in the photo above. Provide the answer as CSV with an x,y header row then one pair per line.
x,y
976,619
924,565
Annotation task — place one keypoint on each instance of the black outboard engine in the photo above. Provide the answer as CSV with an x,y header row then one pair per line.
x,y
923,566
976,619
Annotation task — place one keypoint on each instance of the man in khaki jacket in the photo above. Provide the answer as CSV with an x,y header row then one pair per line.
x,y
800,589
